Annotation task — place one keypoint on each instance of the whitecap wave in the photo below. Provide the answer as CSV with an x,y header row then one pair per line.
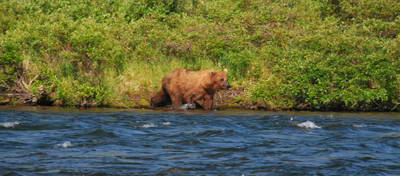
x,y
149,125
359,125
166,123
308,124
10,124
66,144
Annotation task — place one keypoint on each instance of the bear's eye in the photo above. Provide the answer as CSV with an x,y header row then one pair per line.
x,y
222,79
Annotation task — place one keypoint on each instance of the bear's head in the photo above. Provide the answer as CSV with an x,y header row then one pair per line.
x,y
220,80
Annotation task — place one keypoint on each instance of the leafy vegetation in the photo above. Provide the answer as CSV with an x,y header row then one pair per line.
x,y
305,54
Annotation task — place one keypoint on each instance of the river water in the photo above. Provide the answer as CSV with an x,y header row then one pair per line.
x,y
121,142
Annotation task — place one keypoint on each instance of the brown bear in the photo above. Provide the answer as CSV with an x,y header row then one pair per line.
x,y
186,86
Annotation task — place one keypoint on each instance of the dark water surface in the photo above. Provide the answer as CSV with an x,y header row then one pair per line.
x,y
117,142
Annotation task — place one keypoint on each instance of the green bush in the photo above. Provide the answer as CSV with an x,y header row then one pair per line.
x,y
74,93
332,67
10,63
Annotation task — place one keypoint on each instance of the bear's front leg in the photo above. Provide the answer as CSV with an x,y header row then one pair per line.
x,y
188,97
208,102
176,101
191,97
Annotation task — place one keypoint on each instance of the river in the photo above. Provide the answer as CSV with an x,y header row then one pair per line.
x,y
56,141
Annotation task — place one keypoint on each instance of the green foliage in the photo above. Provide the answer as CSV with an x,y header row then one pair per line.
x,y
10,63
326,54
238,63
74,93
334,66
357,11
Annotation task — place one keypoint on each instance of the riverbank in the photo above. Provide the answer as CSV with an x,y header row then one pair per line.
x,y
234,98
281,55
225,101
228,99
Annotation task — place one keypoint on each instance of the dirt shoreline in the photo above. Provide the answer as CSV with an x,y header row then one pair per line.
x,y
230,99
234,99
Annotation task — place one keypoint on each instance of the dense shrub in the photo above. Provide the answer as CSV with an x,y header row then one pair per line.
x,y
331,65
10,64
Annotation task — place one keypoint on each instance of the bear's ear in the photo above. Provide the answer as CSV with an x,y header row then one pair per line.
x,y
213,73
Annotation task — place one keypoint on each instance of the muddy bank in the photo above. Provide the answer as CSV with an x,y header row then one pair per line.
x,y
235,98
229,99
